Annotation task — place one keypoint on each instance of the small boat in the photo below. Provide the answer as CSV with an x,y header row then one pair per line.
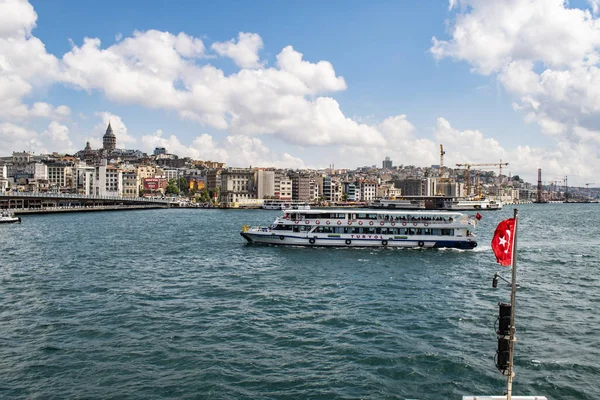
x,y
7,217
367,228
278,204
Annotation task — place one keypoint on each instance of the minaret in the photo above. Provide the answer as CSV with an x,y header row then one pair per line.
x,y
109,140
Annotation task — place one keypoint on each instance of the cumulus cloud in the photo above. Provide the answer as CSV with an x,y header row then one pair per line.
x,y
244,52
235,150
564,158
542,52
18,138
24,63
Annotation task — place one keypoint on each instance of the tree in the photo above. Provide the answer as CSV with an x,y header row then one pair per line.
x,y
516,178
172,187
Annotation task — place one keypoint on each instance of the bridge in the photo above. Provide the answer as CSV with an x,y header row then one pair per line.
x,y
39,202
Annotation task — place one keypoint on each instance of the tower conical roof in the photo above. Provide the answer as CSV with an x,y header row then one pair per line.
x,y
109,131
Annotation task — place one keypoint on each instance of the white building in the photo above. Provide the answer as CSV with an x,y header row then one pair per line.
x,y
108,180
38,170
237,186
3,178
367,190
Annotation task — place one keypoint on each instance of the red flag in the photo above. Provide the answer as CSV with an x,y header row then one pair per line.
x,y
478,216
503,240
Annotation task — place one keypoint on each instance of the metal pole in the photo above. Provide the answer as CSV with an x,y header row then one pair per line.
x,y
513,295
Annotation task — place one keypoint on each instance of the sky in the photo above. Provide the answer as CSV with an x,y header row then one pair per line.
x,y
309,84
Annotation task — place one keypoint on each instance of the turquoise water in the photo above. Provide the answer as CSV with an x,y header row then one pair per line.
x,y
174,304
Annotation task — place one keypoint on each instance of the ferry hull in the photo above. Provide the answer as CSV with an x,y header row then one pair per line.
x,y
346,241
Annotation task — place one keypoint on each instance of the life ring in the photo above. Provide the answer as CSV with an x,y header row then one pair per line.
x,y
382,223
384,242
339,222
281,238
421,244
327,222
307,222
311,241
414,224
360,222
404,224
349,222
426,224
348,241
371,223
318,222
393,224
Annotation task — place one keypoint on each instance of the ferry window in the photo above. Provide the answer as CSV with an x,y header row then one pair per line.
x,y
410,231
361,216
305,228
371,216
419,231
377,230
296,229
447,232
355,230
327,229
427,231
346,229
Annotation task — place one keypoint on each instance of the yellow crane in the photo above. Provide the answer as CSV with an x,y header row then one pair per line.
x,y
468,166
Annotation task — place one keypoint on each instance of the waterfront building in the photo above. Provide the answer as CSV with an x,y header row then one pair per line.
x,y
3,178
130,183
238,185
350,191
301,187
60,174
265,184
417,187
327,188
213,180
143,172
37,170
368,190
84,179
282,186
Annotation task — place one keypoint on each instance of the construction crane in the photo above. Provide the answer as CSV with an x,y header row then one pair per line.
x,y
467,168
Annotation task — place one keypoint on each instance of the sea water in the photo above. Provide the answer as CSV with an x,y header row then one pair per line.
x,y
174,304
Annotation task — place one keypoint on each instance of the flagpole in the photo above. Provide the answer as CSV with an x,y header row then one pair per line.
x,y
513,295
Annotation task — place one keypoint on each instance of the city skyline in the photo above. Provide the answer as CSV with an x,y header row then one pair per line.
x,y
306,86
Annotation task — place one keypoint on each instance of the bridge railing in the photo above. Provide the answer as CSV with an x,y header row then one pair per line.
x,y
83,197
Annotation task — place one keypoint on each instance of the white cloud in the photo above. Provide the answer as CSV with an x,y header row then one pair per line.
x,y
244,53
17,138
17,18
235,150
543,53
578,160
56,137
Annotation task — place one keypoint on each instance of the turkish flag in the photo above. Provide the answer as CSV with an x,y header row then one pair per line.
x,y
502,242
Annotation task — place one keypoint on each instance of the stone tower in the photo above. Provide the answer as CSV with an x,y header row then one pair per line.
x,y
110,140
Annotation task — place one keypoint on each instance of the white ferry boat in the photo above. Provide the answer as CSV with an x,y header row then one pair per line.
x,y
7,217
367,228
437,203
278,204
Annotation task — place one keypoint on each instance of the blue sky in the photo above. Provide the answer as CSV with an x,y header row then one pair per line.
x,y
486,90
